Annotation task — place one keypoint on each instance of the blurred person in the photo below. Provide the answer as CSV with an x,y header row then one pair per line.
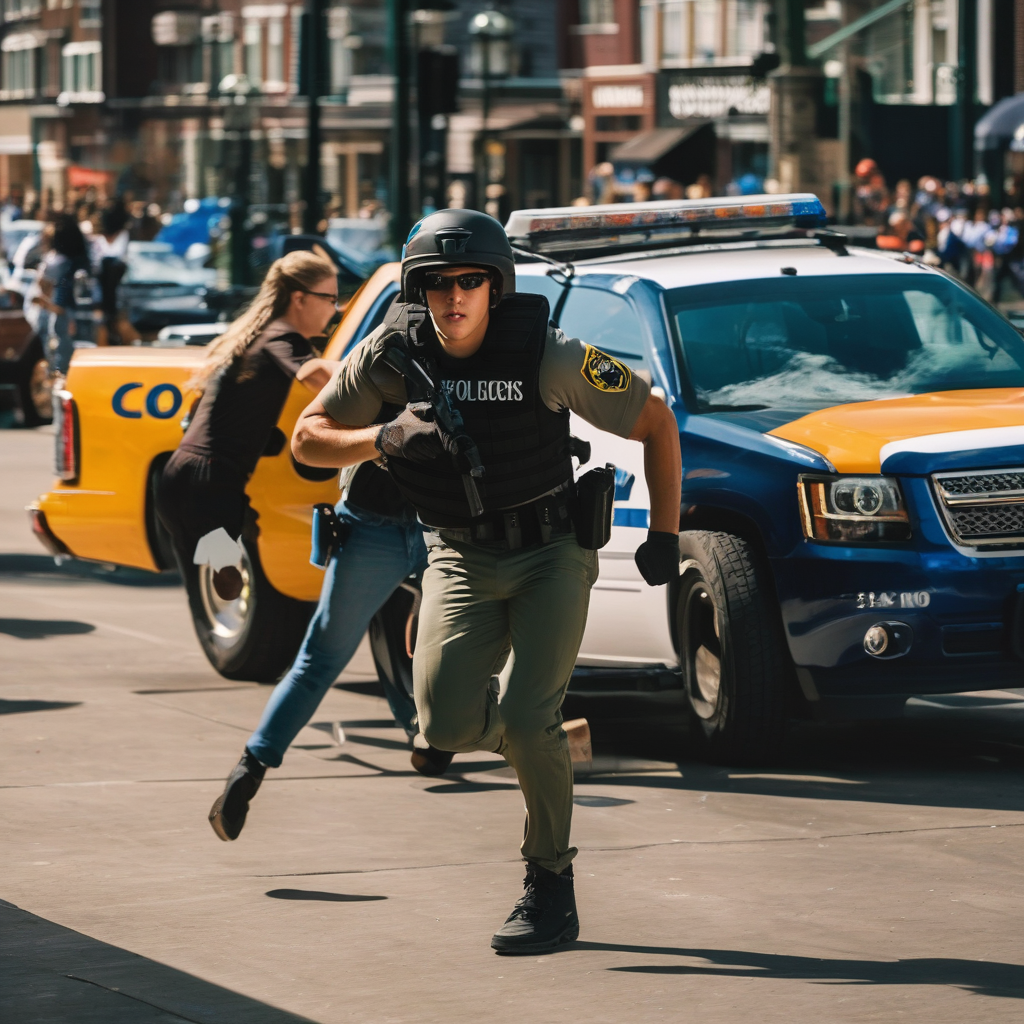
x,y
900,234
13,205
667,188
951,249
142,225
870,195
243,383
65,254
602,183
973,237
110,263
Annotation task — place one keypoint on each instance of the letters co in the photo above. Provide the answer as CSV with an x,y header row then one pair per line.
x,y
162,401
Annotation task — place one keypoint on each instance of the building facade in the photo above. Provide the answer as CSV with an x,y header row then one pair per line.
x,y
171,100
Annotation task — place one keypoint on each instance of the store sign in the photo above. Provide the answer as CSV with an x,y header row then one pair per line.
x,y
616,97
717,95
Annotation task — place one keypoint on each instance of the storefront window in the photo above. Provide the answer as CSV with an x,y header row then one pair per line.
x,y
253,41
597,12
19,72
275,50
696,32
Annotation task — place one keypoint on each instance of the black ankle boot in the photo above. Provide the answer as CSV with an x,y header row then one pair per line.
x,y
227,815
544,917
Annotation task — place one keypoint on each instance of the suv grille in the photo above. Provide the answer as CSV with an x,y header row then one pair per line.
x,y
984,509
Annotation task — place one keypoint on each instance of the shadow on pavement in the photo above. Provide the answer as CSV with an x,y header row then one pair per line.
x,y
18,707
954,759
54,975
978,976
322,897
45,567
42,629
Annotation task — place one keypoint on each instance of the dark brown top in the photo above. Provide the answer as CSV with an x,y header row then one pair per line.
x,y
240,408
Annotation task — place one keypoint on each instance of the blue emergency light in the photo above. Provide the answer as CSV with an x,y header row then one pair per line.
x,y
630,226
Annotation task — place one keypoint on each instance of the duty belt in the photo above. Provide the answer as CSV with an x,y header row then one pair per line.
x,y
536,522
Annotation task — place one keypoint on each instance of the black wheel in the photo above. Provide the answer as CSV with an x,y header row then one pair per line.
x,y
392,635
736,667
254,637
35,385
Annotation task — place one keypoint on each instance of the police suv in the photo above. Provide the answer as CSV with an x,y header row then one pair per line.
x,y
852,428
852,433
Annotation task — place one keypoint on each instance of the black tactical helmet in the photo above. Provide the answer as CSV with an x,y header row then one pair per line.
x,y
453,238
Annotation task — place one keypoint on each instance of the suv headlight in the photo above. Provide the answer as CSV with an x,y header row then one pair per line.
x,y
852,509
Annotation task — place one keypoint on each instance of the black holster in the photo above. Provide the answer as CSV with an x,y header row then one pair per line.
x,y
592,515
329,534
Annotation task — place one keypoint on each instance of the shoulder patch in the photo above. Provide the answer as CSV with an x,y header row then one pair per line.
x,y
603,372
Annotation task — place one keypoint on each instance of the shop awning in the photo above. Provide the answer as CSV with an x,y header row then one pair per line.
x,y
1004,122
649,147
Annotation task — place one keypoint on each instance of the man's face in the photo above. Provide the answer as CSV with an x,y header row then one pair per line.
x,y
459,299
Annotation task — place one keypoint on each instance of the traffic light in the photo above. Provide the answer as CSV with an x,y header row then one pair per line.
x,y
437,84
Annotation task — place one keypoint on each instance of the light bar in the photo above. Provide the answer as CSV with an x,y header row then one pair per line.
x,y
634,224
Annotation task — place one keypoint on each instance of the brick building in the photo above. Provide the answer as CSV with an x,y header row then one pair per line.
x,y
127,94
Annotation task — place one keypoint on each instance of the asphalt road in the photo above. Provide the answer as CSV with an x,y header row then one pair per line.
x,y
874,875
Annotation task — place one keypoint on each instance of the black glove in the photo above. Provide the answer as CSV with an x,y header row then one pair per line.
x,y
658,558
414,435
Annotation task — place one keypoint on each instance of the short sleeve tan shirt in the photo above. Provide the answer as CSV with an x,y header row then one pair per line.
x,y
573,375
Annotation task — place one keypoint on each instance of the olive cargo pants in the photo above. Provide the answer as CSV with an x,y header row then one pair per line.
x,y
477,601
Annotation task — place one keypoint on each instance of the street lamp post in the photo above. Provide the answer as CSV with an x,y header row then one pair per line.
x,y
491,32
398,37
236,91
315,75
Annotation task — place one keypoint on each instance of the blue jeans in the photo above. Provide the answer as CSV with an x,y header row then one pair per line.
x,y
377,556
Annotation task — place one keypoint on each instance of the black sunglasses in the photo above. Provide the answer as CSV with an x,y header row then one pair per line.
x,y
442,283
333,299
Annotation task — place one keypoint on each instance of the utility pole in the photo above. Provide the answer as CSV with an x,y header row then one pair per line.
x,y
398,38
315,78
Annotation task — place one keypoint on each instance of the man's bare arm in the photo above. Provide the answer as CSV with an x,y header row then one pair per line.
x,y
656,428
319,440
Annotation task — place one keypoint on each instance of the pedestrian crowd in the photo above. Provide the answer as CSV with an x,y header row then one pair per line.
x,y
64,262
954,225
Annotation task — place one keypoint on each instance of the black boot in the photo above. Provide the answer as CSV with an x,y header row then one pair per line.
x,y
227,815
544,917
428,760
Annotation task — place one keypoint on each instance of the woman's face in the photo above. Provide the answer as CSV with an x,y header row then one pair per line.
x,y
310,312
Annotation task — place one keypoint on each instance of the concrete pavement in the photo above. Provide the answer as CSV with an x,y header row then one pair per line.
x,y
874,876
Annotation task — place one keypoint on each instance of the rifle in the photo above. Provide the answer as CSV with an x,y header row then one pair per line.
x,y
449,419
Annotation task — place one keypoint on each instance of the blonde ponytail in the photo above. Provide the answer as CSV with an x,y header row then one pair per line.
x,y
295,272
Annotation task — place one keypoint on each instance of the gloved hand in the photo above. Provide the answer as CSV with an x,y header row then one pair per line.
x,y
414,435
658,558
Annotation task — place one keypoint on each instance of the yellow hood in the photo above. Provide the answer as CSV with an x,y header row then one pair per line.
x,y
852,436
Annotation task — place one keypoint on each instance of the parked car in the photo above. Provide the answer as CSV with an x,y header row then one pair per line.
x,y
24,368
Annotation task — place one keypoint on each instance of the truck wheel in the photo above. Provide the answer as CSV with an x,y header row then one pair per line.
x,y
256,636
35,385
390,634
736,666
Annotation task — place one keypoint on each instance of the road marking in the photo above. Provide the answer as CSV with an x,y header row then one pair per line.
x,y
135,634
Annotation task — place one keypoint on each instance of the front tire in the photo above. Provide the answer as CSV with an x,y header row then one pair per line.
x,y
736,667
256,636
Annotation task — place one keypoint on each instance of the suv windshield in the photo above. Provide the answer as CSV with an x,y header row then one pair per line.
x,y
812,342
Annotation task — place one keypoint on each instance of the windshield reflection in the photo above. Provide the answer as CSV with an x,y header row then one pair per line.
x,y
810,343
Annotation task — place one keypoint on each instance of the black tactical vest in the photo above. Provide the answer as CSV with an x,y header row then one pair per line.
x,y
524,446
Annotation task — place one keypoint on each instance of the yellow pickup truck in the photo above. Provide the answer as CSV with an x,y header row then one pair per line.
x,y
118,419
